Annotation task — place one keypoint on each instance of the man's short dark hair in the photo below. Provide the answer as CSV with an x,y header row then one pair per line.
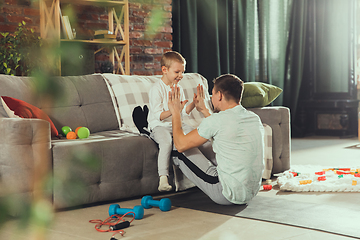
x,y
230,86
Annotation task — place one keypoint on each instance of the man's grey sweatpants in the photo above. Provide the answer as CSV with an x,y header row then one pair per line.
x,y
199,166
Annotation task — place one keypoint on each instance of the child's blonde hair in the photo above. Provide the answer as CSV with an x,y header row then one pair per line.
x,y
170,57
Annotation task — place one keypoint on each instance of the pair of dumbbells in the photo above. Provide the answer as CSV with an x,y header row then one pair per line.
x,y
146,202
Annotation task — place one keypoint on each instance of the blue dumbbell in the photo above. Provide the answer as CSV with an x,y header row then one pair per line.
x,y
116,209
148,202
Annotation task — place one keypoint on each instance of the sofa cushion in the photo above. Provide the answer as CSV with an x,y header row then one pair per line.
x,y
278,118
85,101
258,94
132,91
24,152
123,165
268,158
189,83
129,92
18,108
16,87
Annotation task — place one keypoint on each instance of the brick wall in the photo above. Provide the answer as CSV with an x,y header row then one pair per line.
x,y
145,50
12,12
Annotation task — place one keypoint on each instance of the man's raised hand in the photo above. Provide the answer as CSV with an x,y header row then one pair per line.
x,y
200,101
200,98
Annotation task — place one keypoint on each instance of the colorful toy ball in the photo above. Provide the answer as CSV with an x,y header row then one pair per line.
x,y
65,130
77,129
267,187
83,132
71,135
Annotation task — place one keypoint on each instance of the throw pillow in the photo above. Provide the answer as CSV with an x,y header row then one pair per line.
x,y
258,94
129,92
189,84
18,108
8,111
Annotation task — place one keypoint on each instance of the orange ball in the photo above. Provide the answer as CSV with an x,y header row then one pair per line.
x,y
71,135
77,129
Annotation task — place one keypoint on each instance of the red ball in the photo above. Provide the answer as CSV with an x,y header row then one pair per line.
x,y
267,187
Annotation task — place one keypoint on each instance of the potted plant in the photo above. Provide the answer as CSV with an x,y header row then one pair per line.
x,y
19,51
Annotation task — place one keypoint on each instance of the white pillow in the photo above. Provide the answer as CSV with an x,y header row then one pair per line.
x,y
132,91
189,83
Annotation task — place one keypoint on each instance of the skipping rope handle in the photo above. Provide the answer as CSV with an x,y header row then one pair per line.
x,y
119,226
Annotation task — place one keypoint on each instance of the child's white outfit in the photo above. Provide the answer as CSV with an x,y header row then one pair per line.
x,y
161,131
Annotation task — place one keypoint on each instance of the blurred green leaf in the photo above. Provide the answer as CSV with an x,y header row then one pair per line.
x,y
3,211
42,213
155,22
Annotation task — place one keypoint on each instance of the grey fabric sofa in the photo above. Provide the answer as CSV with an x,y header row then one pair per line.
x,y
111,164
278,118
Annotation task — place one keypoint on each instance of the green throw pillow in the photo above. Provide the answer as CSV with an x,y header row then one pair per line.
x,y
258,94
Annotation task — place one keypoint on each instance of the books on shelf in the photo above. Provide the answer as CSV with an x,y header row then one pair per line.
x,y
67,27
98,32
109,36
104,34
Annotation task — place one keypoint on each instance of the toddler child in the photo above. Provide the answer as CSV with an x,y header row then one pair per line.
x,y
159,118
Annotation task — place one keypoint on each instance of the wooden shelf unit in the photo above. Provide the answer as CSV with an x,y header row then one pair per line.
x,y
50,28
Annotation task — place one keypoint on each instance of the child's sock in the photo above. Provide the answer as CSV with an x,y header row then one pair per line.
x,y
164,184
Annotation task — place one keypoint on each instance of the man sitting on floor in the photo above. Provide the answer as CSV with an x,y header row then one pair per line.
x,y
237,135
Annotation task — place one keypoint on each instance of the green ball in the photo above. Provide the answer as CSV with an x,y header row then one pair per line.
x,y
83,132
65,130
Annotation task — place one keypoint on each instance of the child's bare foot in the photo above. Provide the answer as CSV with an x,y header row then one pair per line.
x,y
164,185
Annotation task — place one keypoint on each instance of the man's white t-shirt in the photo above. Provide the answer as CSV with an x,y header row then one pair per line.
x,y
158,101
238,141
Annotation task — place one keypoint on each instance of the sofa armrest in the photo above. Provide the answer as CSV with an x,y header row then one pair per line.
x,y
25,155
278,118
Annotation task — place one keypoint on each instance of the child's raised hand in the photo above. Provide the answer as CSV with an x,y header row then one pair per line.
x,y
195,98
183,103
174,103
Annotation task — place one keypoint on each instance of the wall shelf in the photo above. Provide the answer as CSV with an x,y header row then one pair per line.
x,y
97,41
50,28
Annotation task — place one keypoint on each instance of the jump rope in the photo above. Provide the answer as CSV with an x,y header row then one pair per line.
x,y
115,224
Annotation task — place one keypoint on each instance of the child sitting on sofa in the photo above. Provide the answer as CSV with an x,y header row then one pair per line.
x,y
159,118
